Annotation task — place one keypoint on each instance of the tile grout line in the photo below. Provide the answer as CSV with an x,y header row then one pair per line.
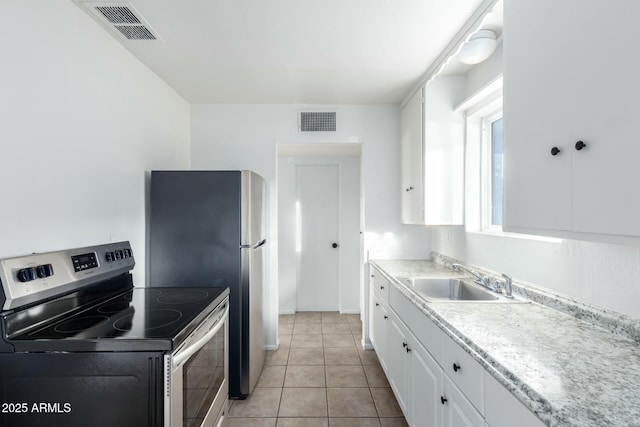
x,y
325,364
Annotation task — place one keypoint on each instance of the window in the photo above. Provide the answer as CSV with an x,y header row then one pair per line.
x,y
492,171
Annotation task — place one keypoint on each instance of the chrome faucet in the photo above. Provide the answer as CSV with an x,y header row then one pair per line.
x,y
508,286
481,280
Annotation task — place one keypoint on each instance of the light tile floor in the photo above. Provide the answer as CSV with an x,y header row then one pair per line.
x,y
319,377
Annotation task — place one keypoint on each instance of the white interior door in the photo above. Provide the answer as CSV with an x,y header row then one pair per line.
x,y
317,213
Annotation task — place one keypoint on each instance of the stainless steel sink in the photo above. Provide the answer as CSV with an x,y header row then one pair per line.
x,y
448,289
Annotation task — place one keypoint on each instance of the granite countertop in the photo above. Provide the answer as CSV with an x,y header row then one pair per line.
x,y
568,371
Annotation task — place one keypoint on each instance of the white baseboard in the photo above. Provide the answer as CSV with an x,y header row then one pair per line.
x,y
366,344
271,347
353,311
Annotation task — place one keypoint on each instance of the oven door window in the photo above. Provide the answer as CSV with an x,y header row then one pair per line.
x,y
202,377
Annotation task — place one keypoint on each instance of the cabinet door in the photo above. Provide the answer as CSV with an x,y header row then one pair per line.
x,y
502,407
411,140
603,84
373,314
458,411
444,151
398,360
570,76
380,332
425,388
537,185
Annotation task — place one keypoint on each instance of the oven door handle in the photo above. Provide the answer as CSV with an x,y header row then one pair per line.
x,y
186,353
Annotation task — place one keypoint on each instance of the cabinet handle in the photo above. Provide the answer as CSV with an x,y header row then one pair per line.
x,y
382,287
456,367
408,349
404,345
580,145
386,317
409,189
555,151
443,399
377,305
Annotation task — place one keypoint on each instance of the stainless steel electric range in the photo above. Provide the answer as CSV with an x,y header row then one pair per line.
x,y
80,345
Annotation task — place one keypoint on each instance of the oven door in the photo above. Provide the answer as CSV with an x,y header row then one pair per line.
x,y
196,386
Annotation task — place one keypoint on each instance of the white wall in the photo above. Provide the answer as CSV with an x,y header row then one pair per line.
x,y
81,120
485,72
245,137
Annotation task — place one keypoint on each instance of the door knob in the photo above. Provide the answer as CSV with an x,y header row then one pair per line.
x,y
334,245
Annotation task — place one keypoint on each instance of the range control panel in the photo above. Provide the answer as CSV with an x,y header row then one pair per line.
x,y
84,261
31,278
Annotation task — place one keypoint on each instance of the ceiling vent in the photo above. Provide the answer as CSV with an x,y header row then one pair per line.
x,y
317,121
123,19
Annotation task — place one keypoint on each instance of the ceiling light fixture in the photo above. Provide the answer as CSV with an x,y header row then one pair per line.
x,y
479,47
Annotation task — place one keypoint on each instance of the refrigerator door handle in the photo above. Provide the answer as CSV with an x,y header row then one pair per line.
x,y
254,246
260,243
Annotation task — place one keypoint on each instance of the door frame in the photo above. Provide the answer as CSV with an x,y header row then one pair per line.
x,y
312,154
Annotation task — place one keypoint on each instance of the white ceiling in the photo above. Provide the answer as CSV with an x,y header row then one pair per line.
x,y
296,51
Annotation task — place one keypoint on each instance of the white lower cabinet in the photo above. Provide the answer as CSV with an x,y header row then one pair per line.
x,y
425,387
379,327
426,395
435,381
399,352
464,371
501,407
458,411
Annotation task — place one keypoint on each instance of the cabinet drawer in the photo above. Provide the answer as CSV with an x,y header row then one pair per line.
x,y
427,333
501,407
464,371
380,284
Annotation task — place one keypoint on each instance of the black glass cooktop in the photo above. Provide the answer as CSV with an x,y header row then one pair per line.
x,y
141,319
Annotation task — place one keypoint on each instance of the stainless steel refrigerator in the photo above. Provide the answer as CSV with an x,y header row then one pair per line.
x,y
206,228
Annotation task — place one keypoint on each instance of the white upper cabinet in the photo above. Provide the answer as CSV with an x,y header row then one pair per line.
x,y
433,154
444,150
571,74
411,140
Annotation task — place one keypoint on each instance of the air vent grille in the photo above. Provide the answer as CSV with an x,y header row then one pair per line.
x,y
122,18
135,32
118,15
317,121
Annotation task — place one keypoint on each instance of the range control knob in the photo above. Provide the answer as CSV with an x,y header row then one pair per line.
x,y
44,270
109,256
27,274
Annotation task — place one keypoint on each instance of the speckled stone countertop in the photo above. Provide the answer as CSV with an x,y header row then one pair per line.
x,y
568,371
